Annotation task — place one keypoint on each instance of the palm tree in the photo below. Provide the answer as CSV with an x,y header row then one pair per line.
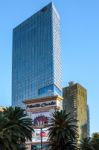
x,y
5,139
15,128
95,141
63,132
86,144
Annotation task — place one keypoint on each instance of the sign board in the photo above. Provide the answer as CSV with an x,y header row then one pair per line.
x,y
41,104
38,134
39,118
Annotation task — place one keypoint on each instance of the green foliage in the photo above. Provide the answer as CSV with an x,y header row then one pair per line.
x,y
86,144
95,141
15,128
63,132
90,143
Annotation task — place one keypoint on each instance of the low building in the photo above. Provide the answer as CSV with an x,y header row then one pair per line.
x,y
1,108
40,110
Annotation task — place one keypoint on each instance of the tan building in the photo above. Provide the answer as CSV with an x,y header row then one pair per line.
x,y
1,108
75,102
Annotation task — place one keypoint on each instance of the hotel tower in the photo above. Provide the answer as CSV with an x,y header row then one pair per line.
x,y
36,58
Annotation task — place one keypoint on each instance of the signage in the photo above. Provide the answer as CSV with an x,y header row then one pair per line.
x,y
39,118
41,105
38,134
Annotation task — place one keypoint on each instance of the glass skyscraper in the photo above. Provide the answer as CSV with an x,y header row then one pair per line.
x,y
36,58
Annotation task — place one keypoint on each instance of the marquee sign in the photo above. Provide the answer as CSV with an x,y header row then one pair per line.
x,y
42,104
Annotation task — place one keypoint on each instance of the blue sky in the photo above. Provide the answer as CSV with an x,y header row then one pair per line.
x,y
79,39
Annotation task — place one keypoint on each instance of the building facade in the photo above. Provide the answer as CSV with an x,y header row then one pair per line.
x,y
1,108
36,58
40,110
75,102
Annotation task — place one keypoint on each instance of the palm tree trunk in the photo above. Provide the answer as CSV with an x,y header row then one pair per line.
x,y
1,147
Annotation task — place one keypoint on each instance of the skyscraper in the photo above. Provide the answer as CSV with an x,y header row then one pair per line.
x,y
75,102
36,59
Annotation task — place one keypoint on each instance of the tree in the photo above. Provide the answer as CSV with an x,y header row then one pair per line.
x,y
63,132
95,141
15,128
90,143
86,144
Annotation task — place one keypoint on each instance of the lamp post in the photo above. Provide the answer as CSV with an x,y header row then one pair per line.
x,y
41,127
41,138
41,130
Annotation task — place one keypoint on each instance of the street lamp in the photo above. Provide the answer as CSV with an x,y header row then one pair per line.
x,y
41,138
41,130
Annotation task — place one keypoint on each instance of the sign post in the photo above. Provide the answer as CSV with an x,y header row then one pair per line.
x,y
41,138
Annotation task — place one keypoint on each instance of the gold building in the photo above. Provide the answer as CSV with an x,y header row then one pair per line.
x,y
75,102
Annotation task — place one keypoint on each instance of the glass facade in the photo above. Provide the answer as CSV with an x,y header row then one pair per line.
x,y
36,59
